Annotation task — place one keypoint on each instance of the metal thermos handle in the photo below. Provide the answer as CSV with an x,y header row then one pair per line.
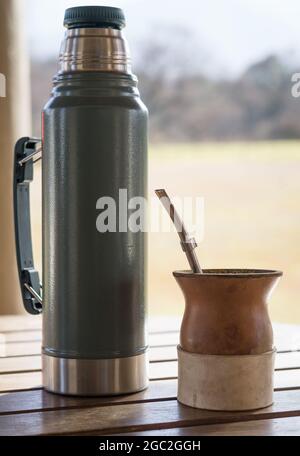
x,y
26,150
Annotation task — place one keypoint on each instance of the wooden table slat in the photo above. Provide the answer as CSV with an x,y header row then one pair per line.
x,y
15,323
285,339
33,347
16,349
284,379
21,336
33,363
136,417
38,400
287,426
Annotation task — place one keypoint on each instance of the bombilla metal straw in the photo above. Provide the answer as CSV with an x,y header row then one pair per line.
x,y
188,244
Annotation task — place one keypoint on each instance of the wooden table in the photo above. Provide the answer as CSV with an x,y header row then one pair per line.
x,y
25,409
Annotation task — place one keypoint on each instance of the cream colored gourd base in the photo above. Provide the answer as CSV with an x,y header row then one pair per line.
x,y
229,382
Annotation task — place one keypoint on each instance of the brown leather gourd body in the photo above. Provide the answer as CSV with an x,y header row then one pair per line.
x,y
226,311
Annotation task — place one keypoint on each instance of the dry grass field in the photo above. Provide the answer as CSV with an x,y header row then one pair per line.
x,y
252,216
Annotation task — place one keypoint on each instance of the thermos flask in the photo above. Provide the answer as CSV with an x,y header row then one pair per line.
x,y
94,156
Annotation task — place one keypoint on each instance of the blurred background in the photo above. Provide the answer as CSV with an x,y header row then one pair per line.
x,y
216,77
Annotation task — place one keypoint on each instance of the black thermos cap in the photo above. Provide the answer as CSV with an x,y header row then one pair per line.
x,y
94,16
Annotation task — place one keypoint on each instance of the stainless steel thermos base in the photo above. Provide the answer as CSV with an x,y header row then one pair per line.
x,y
95,377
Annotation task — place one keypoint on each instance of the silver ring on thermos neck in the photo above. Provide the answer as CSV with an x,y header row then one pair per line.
x,y
94,49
